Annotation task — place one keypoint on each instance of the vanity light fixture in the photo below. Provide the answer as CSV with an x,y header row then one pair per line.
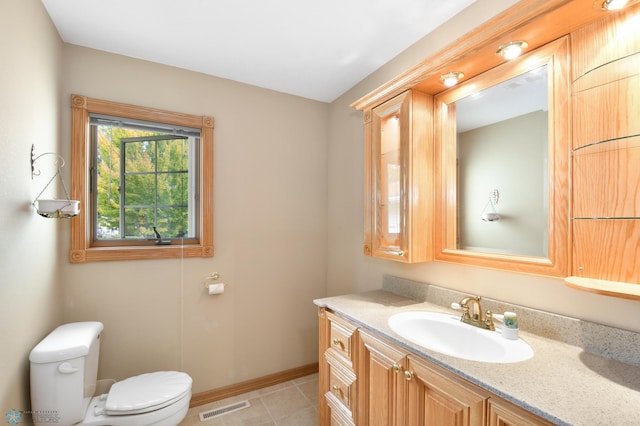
x,y
512,50
610,4
451,78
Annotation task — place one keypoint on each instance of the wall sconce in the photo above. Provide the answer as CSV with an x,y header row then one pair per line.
x,y
53,208
451,78
610,4
512,50
491,216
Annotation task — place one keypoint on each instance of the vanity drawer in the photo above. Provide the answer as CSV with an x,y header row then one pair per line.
x,y
342,384
338,414
342,337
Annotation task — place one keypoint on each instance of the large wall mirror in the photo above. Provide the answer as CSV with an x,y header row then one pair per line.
x,y
502,143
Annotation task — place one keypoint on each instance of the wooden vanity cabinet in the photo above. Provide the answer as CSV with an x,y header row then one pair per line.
x,y
399,178
384,385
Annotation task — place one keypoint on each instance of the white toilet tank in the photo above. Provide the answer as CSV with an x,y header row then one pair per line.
x,y
64,370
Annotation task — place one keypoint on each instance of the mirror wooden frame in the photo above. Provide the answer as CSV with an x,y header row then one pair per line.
x,y
556,55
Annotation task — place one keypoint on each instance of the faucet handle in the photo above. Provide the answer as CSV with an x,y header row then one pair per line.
x,y
488,320
463,308
465,312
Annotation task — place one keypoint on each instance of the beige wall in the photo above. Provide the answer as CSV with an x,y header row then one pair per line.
x,y
270,232
29,106
510,156
350,271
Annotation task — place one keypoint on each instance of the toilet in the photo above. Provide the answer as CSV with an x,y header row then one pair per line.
x,y
64,371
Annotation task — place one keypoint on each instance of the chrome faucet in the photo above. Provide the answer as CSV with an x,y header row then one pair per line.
x,y
476,319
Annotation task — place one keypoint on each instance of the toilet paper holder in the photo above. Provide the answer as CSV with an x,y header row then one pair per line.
x,y
208,284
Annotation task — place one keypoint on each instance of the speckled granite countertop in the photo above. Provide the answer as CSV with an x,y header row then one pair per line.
x,y
565,383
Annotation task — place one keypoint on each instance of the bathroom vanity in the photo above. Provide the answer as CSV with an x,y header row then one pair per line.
x,y
371,375
418,184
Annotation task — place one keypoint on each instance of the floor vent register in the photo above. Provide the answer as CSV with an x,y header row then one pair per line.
x,y
221,411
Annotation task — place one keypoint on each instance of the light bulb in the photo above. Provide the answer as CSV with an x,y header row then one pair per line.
x,y
512,49
451,78
613,4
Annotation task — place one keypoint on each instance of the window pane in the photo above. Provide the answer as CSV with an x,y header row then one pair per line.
x,y
138,223
173,155
139,190
139,156
173,189
173,221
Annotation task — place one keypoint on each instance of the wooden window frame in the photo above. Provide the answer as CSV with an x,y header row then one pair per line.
x,y
82,248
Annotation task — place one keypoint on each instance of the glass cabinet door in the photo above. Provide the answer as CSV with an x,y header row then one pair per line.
x,y
399,178
389,174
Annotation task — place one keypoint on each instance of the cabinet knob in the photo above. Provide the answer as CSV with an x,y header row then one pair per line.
x,y
337,342
396,367
408,375
336,389
401,253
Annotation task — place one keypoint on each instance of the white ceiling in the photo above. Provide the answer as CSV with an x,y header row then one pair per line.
x,y
314,49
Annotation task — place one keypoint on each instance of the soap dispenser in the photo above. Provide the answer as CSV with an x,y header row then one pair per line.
x,y
510,325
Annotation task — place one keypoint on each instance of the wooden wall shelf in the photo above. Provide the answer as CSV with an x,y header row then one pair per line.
x,y
607,288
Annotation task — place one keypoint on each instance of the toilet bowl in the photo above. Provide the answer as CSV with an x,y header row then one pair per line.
x,y
64,367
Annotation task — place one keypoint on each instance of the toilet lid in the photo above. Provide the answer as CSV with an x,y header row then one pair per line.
x,y
147,392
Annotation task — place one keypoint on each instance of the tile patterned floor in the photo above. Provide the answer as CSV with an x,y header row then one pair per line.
x,y
293,403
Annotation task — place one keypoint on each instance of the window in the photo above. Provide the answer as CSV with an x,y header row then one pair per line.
x,y
145,181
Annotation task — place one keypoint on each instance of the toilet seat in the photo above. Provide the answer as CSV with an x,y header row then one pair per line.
x,y
146,392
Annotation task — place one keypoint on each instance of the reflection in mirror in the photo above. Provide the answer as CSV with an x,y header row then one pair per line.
x,y
502,148
507,163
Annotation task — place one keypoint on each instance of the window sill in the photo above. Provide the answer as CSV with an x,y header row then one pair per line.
x,y
98,254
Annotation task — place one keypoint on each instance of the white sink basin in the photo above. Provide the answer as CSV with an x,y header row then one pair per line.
x,y
446,334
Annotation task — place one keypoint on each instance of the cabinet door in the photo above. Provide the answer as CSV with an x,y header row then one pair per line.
x,y
503,413
399,178
381,384
437,398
